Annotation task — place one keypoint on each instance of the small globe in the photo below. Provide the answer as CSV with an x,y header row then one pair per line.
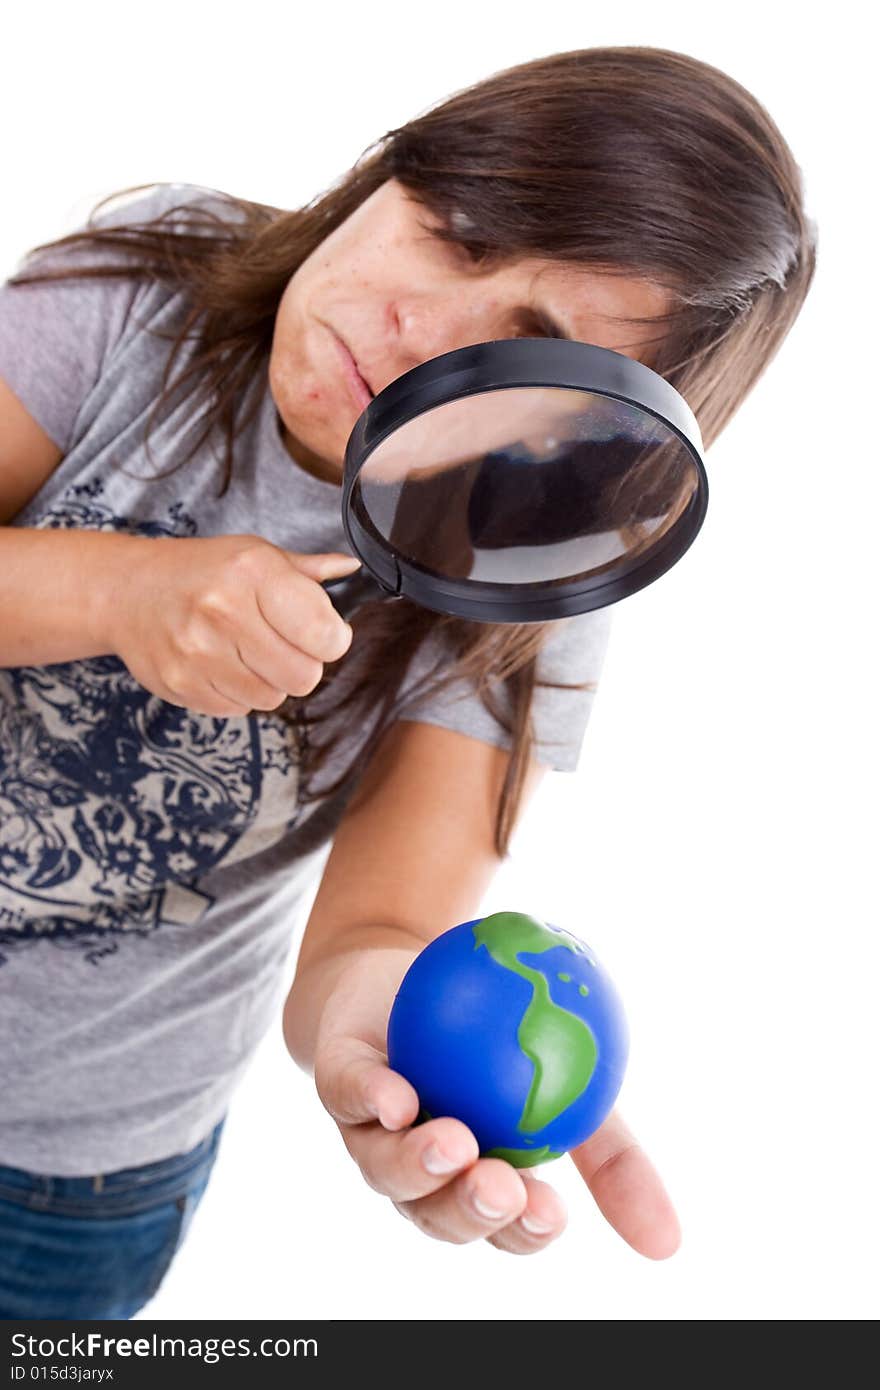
x,y
512,1026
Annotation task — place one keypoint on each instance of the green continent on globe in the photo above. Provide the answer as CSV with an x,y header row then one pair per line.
x,y
559,1044
524,1158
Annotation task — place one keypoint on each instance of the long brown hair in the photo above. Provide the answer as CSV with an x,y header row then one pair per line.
x,y
636,161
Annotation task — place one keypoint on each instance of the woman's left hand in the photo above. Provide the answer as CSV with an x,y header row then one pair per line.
x,y
415,852
471,1198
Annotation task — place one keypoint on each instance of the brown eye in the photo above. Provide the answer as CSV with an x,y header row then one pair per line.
x,y
542,326
470,251
475,253
533,326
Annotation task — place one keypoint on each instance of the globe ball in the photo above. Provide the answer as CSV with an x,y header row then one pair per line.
x,y
511,1025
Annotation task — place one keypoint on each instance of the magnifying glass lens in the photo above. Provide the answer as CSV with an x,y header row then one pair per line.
x,y
526,485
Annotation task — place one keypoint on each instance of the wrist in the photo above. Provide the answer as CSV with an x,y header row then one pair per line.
x,y
111,560
347,992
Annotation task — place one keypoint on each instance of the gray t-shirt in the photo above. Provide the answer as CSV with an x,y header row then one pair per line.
x,y
153,859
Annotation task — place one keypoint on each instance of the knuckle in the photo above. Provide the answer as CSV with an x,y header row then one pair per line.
x,y
260,694
173,678
317,632
307,677
191,638
335,1078
213,605
344,635
323,626
269,699
171,697
222,705
249,557
433,1225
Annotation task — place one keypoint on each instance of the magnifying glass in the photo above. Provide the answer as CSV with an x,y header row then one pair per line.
x,y
520,480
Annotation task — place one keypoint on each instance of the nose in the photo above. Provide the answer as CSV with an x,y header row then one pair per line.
x,y
427,325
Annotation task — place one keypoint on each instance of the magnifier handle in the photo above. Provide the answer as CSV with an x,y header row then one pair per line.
x,y
351,590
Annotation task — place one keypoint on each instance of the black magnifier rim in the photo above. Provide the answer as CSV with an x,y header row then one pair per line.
x,y
496,365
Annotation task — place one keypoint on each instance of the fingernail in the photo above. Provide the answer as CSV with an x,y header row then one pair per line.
x,y
483,1209
535,1227
434,1160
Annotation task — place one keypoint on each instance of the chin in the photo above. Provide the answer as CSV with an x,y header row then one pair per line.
x,y
323,463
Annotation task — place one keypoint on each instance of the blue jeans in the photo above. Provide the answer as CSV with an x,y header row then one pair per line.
x,y
100,1246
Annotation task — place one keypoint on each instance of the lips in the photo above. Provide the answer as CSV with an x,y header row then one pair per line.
x,y
360,388
359,372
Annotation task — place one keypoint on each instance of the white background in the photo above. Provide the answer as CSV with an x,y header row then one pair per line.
x,y
715,847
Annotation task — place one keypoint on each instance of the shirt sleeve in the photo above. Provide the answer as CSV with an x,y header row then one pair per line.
x,y
56,337
573,654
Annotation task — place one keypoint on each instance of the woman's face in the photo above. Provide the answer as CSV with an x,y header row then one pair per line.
x,y
385,290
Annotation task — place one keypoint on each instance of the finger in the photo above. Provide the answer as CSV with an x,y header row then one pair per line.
x,y
356,1085
332,564
217,704
270,669
267,669
405,1166
206,699
233,705
628,1190
300,612
246,695
542,1220
489,1195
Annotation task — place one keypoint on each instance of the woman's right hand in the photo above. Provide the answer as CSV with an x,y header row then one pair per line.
x,y
225,624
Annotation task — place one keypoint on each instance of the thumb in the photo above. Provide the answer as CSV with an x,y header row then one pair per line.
x,y
332,565
356,1085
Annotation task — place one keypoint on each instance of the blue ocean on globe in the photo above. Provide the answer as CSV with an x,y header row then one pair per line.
x,y
512,1026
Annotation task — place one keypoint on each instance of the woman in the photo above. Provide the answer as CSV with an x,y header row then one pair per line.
x,y
179,737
